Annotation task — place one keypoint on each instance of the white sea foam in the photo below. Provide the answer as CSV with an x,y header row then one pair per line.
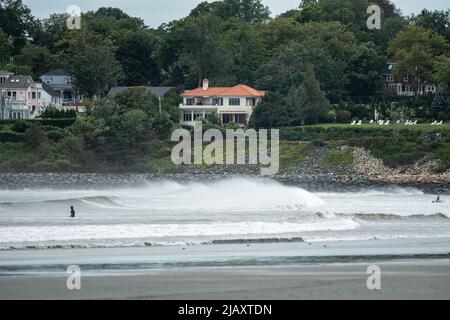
x,y
167,212
131,231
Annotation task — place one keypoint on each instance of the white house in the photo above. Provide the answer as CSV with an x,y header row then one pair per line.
x,y
10,110
230,104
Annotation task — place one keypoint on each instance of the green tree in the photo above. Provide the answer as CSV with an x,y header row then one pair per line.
x,y
170,105
417,52
19,69
92,64
308,101
442,74
38,58
51,31
136,98
441,104
248,53
6,48
137,53
248,11
16,21
204,51
271,112
326,46
364,75
105,21
438,21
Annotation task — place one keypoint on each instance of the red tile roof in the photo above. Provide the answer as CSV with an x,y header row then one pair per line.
x,y
240,90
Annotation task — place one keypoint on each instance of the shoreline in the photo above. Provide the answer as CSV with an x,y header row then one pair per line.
x,y
316,182
407,278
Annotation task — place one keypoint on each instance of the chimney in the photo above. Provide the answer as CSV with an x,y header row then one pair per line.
x,y
205,84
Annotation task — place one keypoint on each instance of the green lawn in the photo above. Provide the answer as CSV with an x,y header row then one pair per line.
x,y
420,126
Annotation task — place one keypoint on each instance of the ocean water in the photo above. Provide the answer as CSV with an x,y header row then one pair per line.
x,y
233,210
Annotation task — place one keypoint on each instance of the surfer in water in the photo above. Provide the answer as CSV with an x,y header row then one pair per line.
x,y
438,200
72,212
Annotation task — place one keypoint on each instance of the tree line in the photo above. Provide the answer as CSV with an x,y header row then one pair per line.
x,y
319,62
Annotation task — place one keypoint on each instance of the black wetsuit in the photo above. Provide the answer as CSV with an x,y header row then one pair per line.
x,y
72,212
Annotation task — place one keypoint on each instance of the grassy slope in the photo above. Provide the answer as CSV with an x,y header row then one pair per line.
x,y
395,144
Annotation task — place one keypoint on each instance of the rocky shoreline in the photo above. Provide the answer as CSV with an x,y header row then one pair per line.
x,y
324,182
364,172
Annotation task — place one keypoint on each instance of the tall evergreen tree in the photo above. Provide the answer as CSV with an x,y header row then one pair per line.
x,y
309,102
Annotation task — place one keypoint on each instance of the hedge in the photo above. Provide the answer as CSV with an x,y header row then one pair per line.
x,y
60,123
310,133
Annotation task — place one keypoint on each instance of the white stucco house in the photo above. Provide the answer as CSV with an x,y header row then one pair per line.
x,y
230,104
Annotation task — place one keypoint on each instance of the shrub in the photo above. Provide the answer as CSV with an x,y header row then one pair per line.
x,y
21,126
343,116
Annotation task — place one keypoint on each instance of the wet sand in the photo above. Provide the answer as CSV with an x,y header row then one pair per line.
x,y
415,279
410,269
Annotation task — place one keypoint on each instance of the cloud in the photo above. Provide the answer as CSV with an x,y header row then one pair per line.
x,y
156,12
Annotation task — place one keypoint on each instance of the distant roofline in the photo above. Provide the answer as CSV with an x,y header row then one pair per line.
x,y
56,72
222,92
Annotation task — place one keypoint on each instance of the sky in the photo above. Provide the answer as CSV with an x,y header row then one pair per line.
x,y
156,12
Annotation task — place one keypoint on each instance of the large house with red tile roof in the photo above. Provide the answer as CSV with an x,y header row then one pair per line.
x,y
230,104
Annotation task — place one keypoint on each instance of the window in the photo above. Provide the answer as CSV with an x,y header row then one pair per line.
x,y
14,94
226,118
187,116
251,102
197,115
33,95
39,95
240,118
189,101
217,101
235,102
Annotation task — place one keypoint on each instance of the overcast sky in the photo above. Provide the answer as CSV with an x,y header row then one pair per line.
x,y
155,12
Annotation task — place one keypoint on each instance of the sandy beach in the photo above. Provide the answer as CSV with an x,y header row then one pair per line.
x,y
410,269
414,279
